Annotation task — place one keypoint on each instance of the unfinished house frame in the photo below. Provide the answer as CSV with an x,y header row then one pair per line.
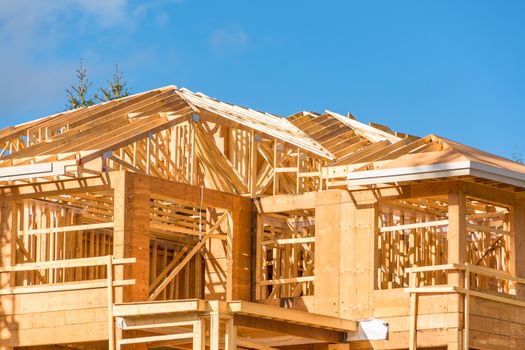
x,y
168,219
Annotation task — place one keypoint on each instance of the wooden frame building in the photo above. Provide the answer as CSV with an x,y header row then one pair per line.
x,y
169,219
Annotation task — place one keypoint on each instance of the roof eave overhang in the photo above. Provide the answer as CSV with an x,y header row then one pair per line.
x,y
435,171
31,171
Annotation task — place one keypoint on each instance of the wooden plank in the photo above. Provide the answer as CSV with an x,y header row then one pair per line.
x,y
199,335
185,193
251,344
230,337
329,232
60,187
457,234
82,262
299,240
490,272
292,316
8,228
287,328
414,226
158,307
131,237
517,242
67,229
158,321
155,338
90,284
111,298
283,203
282,281
214,324
444,267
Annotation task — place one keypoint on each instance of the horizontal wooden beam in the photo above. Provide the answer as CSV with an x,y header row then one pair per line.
x,y
155,338
298,240
444,267
414,226
60,287
281,281
291,315
190,194
157,321
158,307
252,344
490,272
282,203
482,228
67,229
286,328
433,289
59,187
68,263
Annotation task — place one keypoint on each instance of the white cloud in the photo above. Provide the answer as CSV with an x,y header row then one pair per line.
x,y
223,41
27,26
34,12
34,35
41,42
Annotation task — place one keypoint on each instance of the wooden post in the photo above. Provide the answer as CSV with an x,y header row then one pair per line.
x,y
275,165
345,277
7,240
252,175
7,258
466,312
227,263
457,235
131,233
240,262
111,322
517,246
257,265
214,325
131,237
360,258
199,335
230,340
457,243
413,312
327,264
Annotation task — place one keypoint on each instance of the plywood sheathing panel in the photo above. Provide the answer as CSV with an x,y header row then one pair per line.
x,y
131,236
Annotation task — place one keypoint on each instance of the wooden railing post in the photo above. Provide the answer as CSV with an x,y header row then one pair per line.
x,y
111,322
230,340
457,235
199,334
413,311
517,247
214,325
466,310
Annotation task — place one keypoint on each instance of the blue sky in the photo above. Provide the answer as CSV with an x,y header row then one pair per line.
x,y
453,68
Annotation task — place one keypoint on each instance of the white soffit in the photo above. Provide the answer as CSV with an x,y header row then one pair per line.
x,y
33,170
466,168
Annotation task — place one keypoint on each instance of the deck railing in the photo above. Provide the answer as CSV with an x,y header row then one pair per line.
x,y
109,282
467,287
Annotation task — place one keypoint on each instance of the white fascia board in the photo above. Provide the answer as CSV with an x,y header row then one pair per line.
x,y
502,175
370,177
33,170
467,168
